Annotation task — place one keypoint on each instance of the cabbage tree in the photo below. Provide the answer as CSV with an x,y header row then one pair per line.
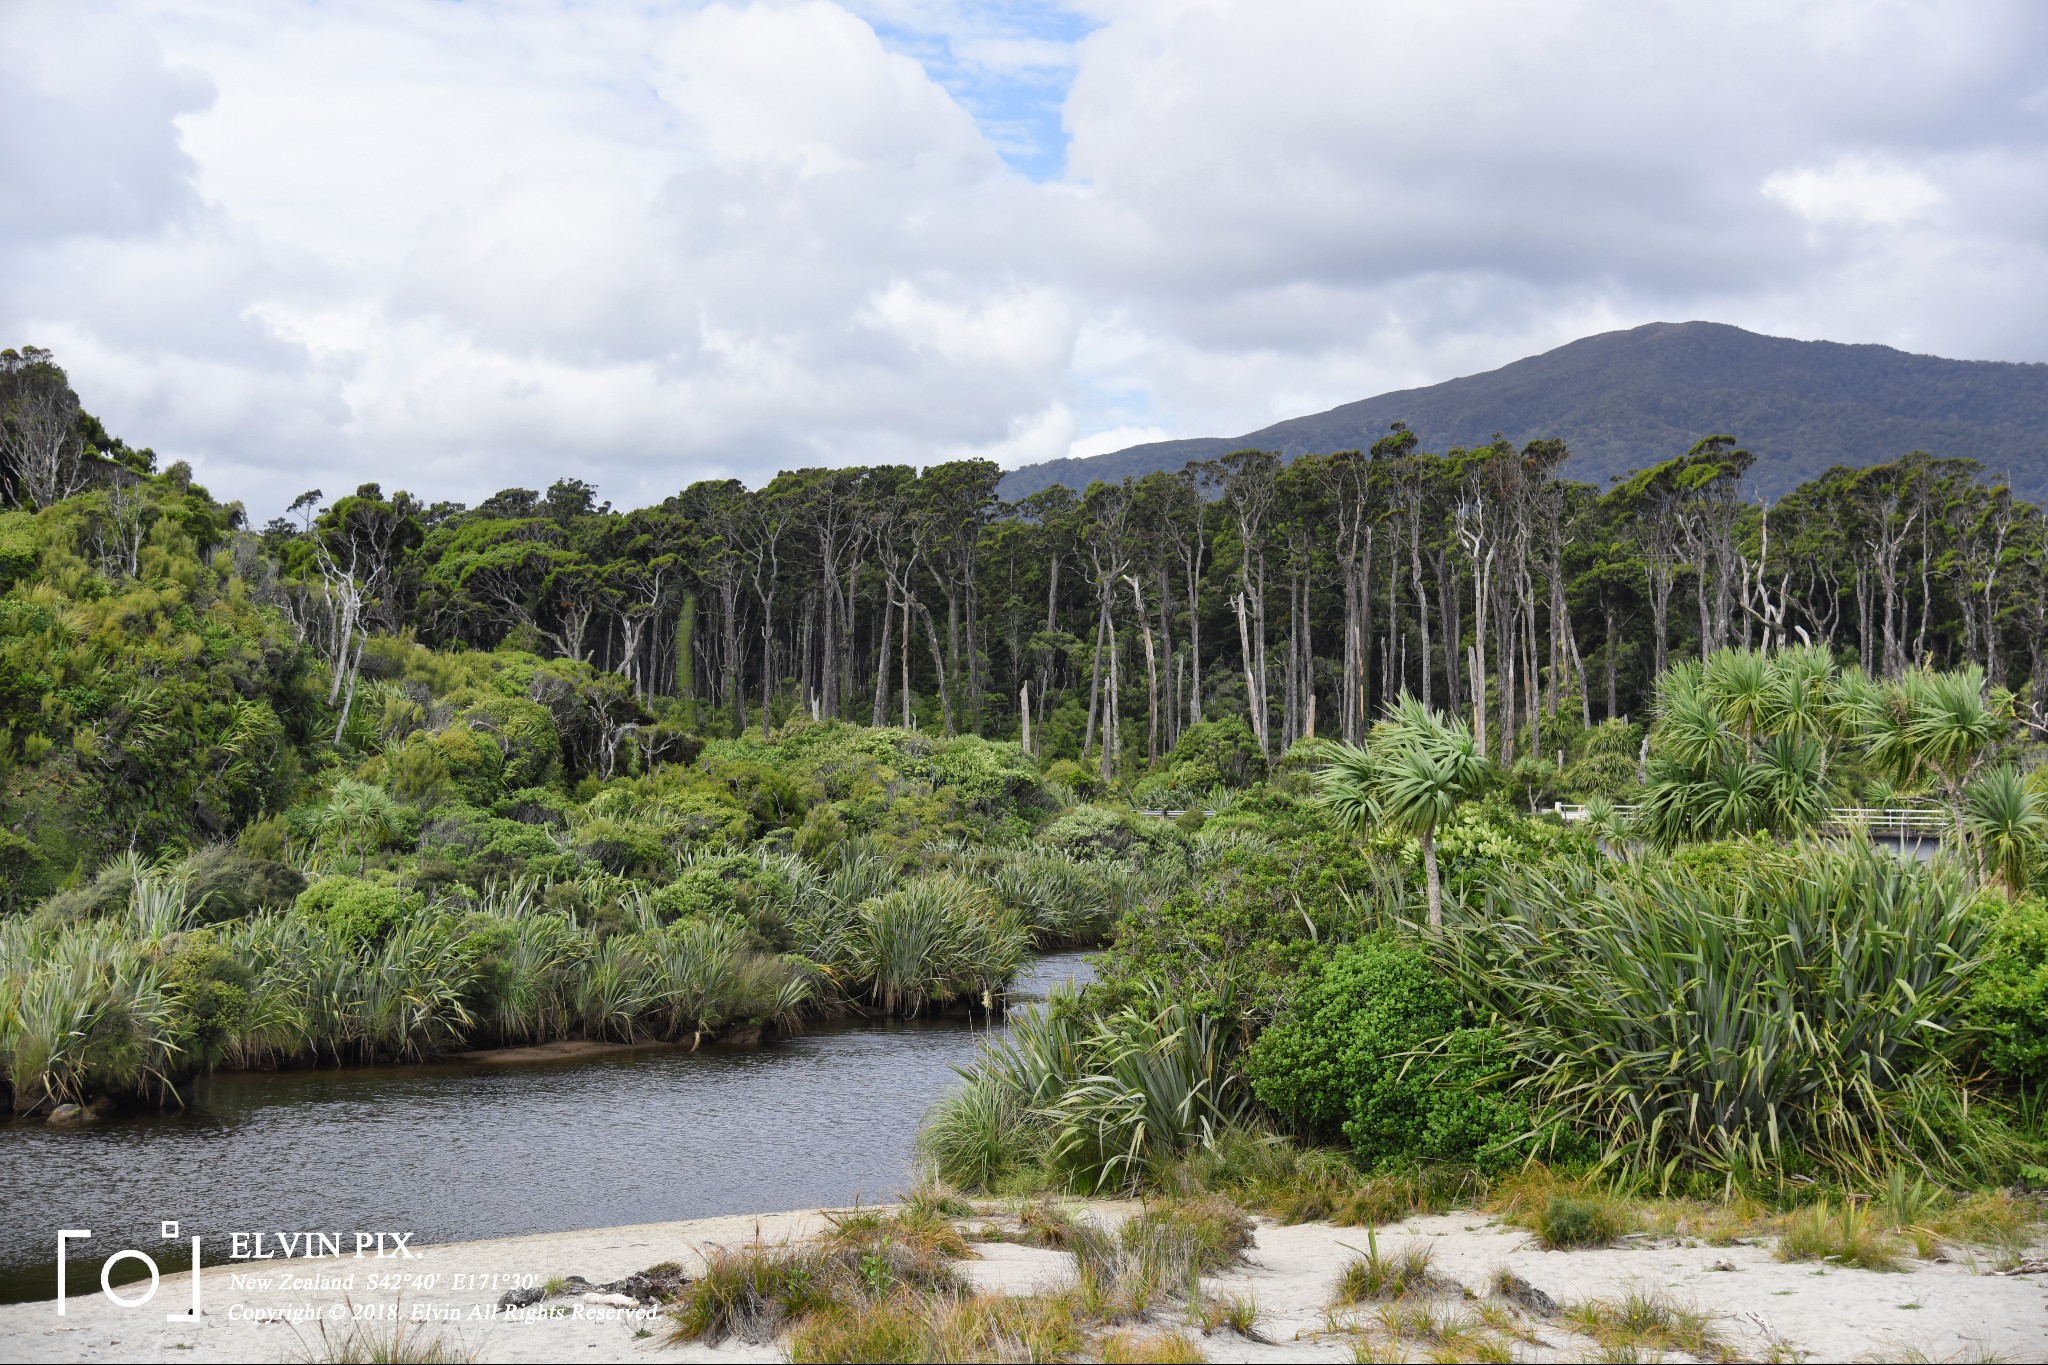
x,y
2006,819
1415,769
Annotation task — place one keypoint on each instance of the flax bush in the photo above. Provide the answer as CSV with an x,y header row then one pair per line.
x,y
1097,1104
1803,1014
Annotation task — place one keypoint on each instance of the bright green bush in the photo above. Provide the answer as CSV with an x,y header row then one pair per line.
x,y
819,837
1099,832
707,891
2009,997
624,847
1215,753
1490,838
354,911
1079,778
209,992
1247,915
1375,1046
990,777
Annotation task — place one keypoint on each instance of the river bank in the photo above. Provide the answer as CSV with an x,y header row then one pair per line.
x,y
1754,1306
462,1151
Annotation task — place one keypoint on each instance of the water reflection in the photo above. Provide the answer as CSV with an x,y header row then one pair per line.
x,y
454,1152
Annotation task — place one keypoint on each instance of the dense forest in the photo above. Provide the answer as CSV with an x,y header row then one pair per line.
x,y
166,666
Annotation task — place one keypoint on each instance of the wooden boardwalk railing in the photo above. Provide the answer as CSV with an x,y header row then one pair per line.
x,y
1902,822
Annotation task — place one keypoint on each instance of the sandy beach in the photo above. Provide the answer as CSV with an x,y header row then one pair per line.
x,y
1761,1308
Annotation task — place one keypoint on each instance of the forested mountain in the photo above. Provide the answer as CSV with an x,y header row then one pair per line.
x,y
169,673
1625,400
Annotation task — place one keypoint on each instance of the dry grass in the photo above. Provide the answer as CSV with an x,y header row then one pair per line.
x,y
753,1292
920,1230
757,1291
1646,1320
397,1343
881,1285
1162,1252
911,1326
1046,1224
1324,1187
1239,1313
1387,1275
1720,1223
1158,1348
1998,1220
1845,1234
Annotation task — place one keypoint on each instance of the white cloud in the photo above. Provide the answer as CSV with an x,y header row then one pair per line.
x,y
1855,190
453,247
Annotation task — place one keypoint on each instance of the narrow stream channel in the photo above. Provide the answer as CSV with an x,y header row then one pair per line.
x,y
455,1152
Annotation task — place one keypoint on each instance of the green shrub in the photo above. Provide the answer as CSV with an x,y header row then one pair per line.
x,y
209,993
1376,1046
1610,775
1215,753
533,806
624,847
1253,911
1731,860
819,837
989,777
1570,1220
1485,840
1100,832
2009,998
223,883
1078,778
708,891
355,911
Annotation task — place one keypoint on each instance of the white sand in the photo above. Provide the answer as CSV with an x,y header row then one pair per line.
x,y
1932,1310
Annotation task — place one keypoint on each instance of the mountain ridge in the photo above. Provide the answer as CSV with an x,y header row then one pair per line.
x,y
1627,399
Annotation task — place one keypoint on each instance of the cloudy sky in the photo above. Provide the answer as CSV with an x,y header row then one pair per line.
x,y
456,246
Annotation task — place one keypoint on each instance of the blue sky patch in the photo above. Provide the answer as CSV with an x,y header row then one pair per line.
x,y
1009,63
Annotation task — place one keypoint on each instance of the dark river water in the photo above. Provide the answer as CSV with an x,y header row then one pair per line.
x,y
454,1152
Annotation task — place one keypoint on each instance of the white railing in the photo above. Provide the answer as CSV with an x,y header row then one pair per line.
x,y
1898,821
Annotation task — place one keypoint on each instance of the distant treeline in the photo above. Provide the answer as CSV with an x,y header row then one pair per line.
x,y
1299,596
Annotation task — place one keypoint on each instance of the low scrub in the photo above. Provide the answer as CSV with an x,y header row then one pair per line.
x,y
1387,1275
1160,1254
1845,1234
1567,1221
753,1293
907,1326
1645,1320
